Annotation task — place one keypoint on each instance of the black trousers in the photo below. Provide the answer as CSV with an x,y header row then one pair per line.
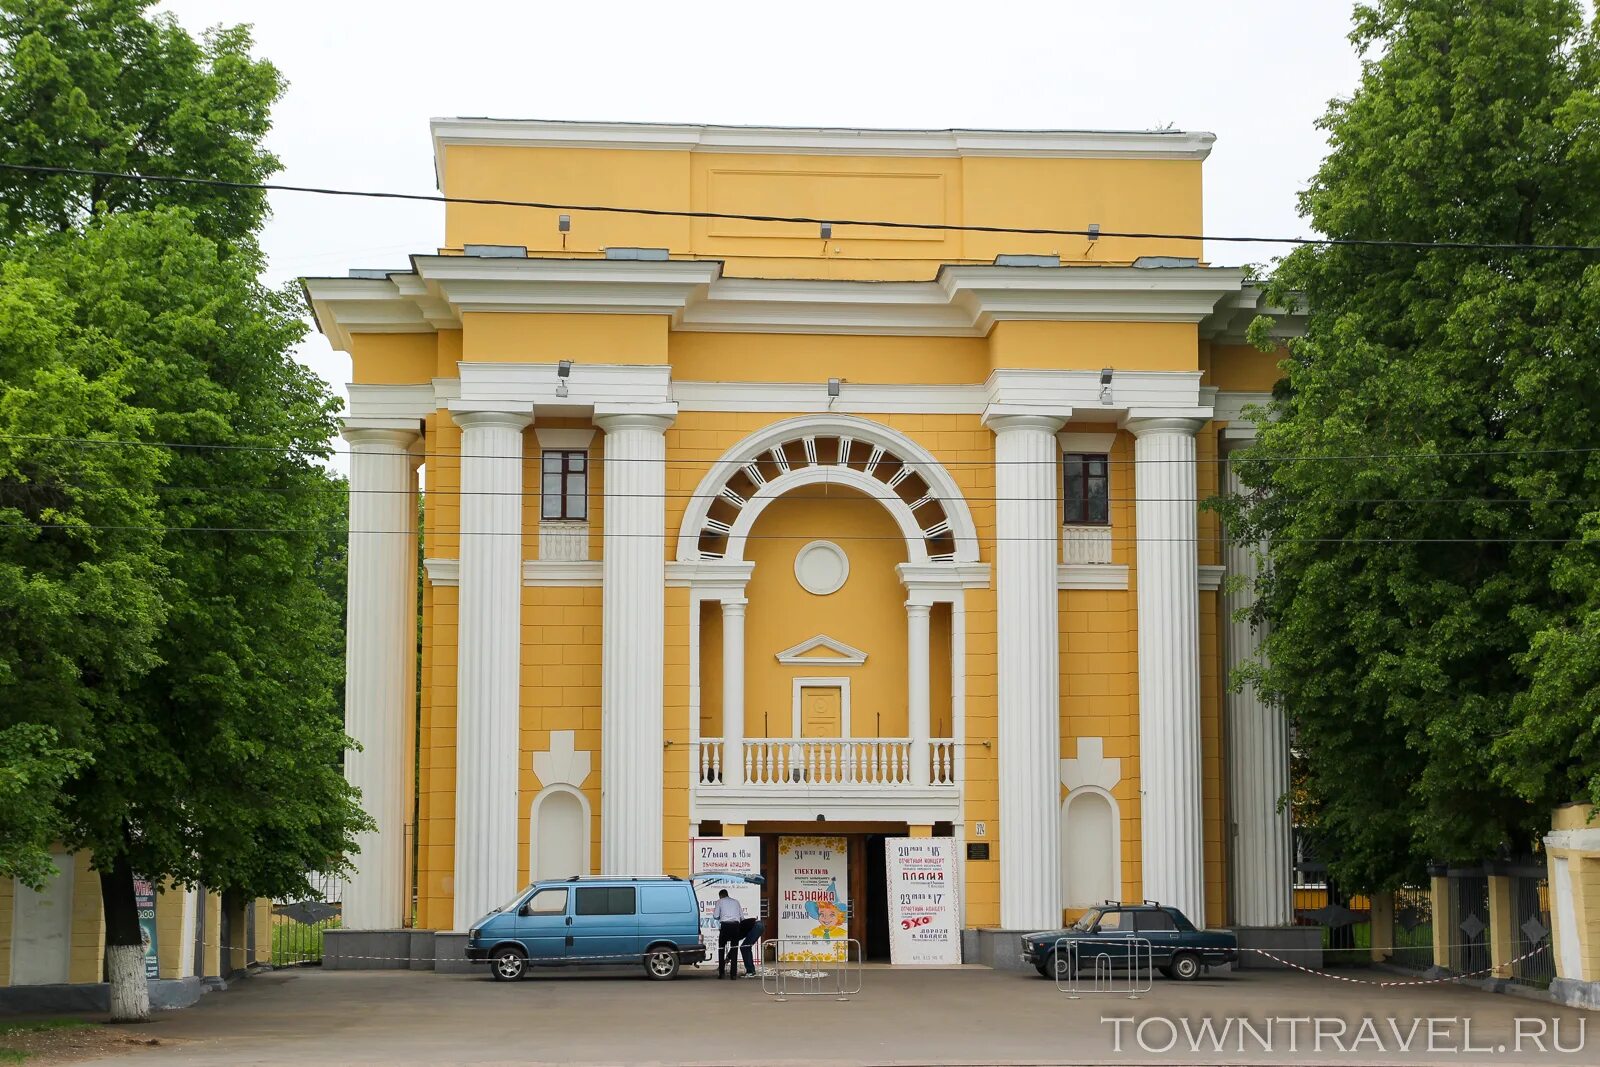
x,y
728,949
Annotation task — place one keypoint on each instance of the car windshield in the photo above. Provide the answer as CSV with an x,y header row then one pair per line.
x,y
1087,921
508,905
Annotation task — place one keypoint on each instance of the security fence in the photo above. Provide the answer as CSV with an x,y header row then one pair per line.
x,y
811,967
1413,928
297,929
1530,917
1468,929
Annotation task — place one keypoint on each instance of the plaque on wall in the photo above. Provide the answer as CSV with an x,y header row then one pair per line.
x,y
977,850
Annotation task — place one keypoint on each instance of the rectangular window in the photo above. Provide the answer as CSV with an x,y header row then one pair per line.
x,y
564,485
606,900
1086,494
1156,921
548,902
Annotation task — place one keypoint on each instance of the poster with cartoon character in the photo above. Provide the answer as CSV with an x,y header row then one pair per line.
x,y
813,898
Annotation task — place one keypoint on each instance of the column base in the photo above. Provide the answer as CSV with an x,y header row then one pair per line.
x,y
378,950
1298,944
1576,993
999,949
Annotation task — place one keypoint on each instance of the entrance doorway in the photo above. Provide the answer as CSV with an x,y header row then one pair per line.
x,y
866,876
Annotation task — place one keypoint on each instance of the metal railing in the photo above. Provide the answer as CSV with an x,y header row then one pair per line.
x,y
297,929
1413,928
811,967
843,761
1530,916
1123,966
1468,922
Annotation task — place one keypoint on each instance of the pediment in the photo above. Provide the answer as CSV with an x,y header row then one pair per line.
x,y
825,650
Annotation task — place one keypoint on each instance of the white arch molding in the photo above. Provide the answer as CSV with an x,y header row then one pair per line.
x,y
1091,847
891,447
558,833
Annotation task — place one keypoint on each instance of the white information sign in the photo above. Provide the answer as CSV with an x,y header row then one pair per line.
x,y
813,897
924,901
724,855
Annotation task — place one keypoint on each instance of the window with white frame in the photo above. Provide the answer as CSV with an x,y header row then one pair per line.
x,y
564,485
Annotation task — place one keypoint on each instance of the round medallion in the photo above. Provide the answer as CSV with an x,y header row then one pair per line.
x,y
821,567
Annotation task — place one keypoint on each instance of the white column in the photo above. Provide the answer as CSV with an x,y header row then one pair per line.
x,y
1258,763
1172,837
733,691
380,657
1029,686
633,639
489,646
918,719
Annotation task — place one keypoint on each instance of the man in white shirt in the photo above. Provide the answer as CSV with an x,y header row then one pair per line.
x,y
729,915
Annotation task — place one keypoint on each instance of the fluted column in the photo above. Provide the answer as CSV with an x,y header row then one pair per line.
x,y
1258,763
489,646
918,719
733,691
633,634
1029,687
1172,836
380,664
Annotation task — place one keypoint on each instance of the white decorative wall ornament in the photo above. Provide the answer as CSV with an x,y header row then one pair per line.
x,y
822,649
821,567
1091,767
562,764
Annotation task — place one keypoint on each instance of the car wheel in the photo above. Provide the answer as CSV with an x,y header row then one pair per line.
x,y
661,963
508,964
1185,966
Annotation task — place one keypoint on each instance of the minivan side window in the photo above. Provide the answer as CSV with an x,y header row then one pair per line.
x,y
606,900
548,902
662,899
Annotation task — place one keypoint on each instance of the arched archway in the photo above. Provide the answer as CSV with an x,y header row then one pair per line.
x,y
817,449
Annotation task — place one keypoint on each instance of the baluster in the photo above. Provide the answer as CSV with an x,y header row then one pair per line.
x,y
833,763
877,763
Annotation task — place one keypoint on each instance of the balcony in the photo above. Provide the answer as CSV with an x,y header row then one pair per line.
x,y
785,764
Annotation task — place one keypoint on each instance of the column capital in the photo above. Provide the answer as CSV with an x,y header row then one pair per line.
x,y
1003,418
614,417
471,415
734,607
1155,425
916,609
402,434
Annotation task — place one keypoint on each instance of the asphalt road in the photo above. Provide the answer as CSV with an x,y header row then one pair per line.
x,y
954,1016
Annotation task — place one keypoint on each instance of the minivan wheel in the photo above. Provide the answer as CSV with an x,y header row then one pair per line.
x,y
508,964
661,963
1186,966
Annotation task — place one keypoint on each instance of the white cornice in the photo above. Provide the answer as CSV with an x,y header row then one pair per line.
x,y
820,141
711,576
392,401
443,571
960,302
1234,314
843,655
1091,576
812,397
560,572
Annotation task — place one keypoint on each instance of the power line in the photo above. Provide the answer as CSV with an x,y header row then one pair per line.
x,y
830,535
886,463
1040,231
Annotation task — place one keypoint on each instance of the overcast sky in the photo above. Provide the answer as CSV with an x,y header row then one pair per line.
x,y
366,75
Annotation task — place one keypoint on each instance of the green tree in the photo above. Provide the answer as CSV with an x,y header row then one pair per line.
x,y
1421,474
97,85
165,503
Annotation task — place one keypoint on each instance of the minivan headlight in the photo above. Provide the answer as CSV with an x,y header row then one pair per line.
x,y
472,934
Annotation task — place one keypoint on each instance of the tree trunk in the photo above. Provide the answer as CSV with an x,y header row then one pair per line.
x,y
130,992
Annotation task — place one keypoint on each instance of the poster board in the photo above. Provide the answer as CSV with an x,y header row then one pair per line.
x,y
724,855
144,901
924,900
813,897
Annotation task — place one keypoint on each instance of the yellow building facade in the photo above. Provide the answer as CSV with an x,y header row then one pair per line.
x,y
735,527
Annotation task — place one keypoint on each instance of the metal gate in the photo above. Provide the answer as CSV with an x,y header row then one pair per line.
x,y
297,929
1413,928
1469,921
1535,963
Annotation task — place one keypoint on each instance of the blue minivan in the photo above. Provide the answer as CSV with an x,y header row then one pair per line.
x,y
592,921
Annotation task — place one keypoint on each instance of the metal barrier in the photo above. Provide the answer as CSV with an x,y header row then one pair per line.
x,y
811,967
1132,956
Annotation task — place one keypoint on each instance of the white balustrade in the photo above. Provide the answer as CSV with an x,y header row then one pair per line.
x,y
839,761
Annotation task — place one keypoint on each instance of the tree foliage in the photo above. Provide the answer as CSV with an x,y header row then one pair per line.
x,y
97,85
1424,471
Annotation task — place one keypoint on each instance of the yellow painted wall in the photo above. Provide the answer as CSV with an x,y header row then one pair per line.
x,y
780,357
868,612
88,925
393,358
1118,194
1092,345
678,755
509,337
1244,368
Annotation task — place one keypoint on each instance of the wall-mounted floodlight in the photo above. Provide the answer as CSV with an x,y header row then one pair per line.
x,y
563,372
1105,385
564,223
1094,231
833,387
827,231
